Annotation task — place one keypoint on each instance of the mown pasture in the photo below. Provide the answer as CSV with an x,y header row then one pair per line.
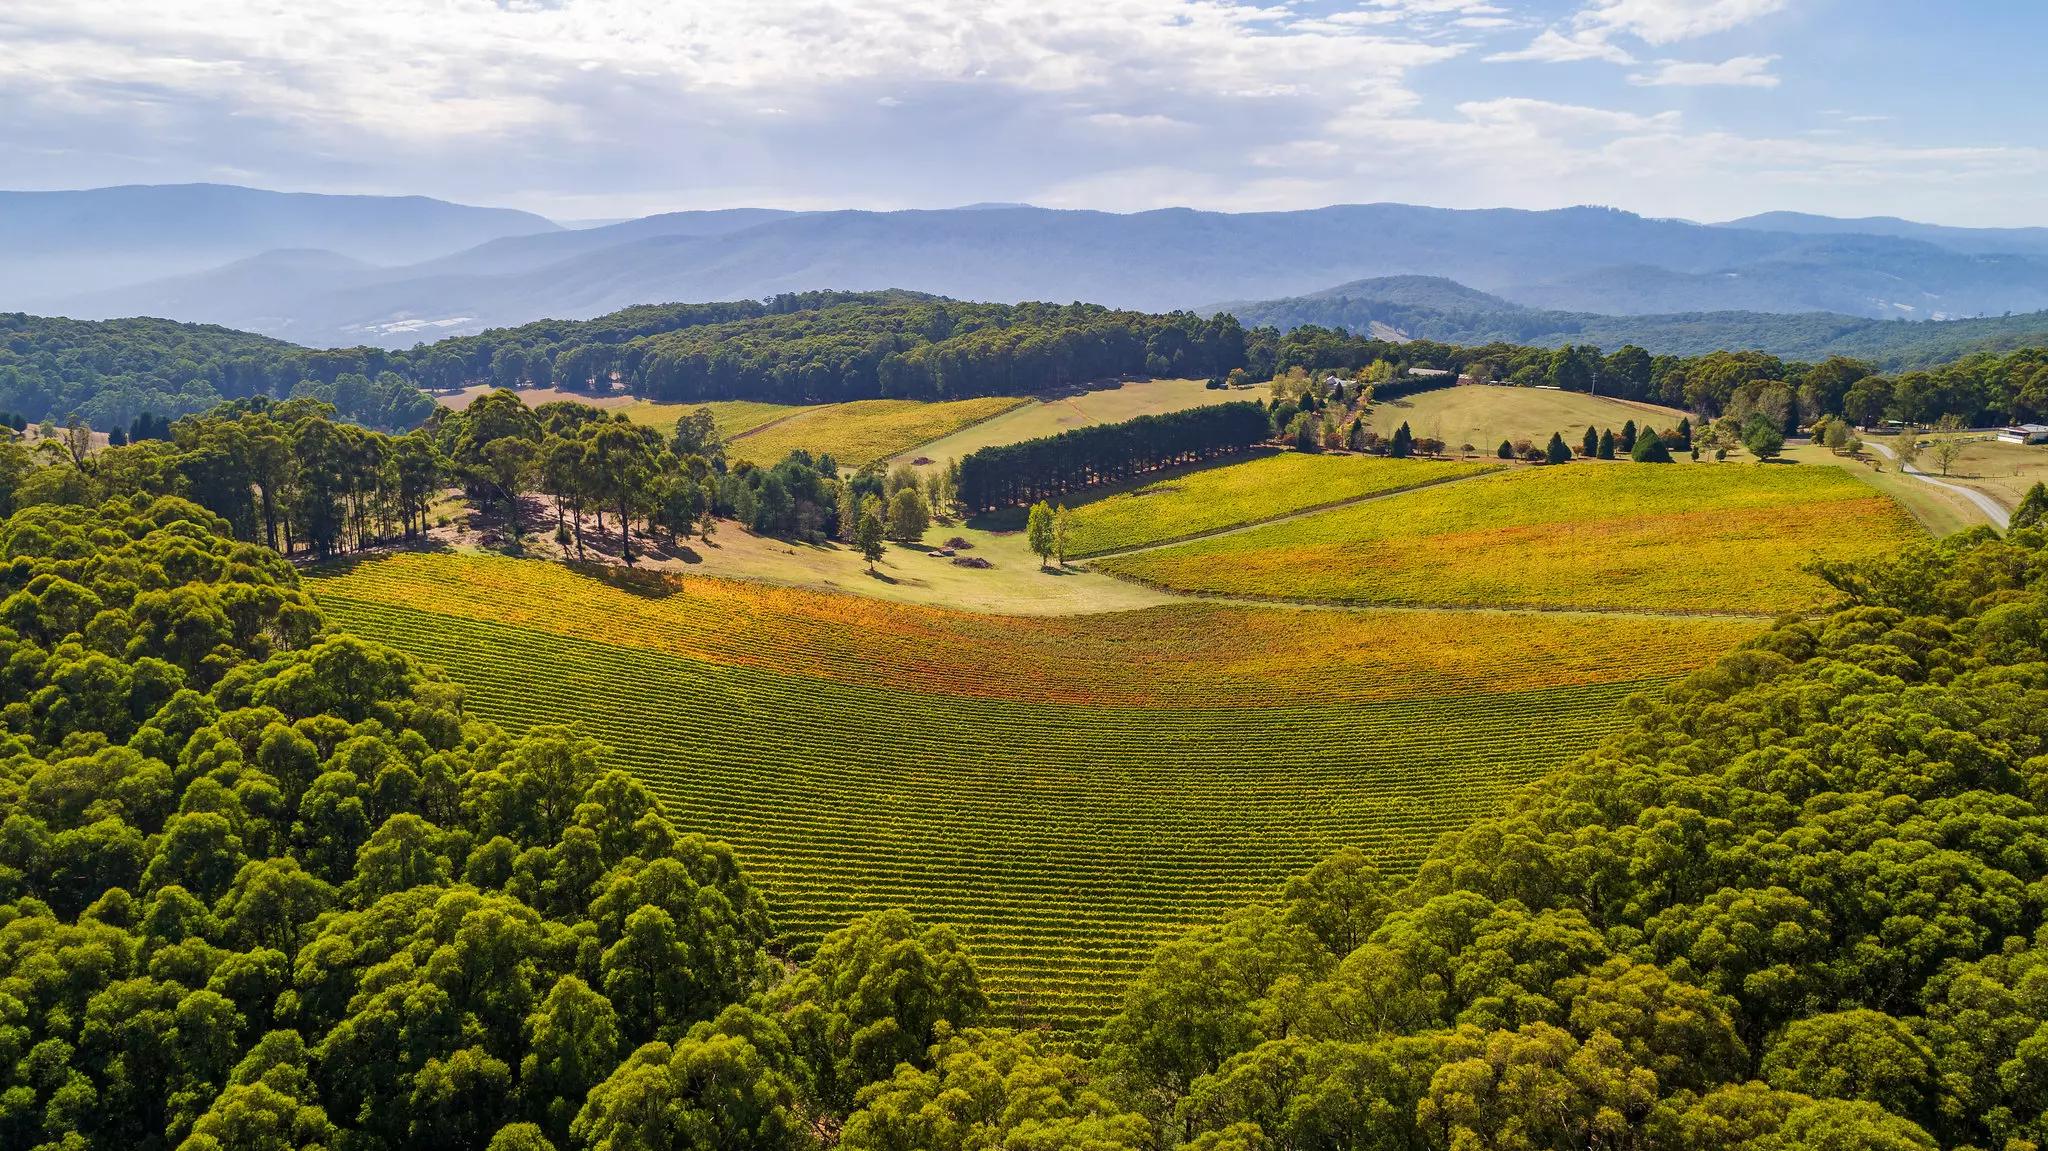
x,y
1609,535
1071,791
1483,415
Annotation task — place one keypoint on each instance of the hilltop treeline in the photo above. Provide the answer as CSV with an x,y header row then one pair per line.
x,y
1020,473
108,372
1980,388
824,347
830,346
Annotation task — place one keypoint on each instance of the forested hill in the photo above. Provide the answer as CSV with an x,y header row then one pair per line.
x,y
820,347
1433,308
817,347
107,372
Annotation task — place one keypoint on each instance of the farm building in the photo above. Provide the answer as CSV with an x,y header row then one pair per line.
x,y
2024,434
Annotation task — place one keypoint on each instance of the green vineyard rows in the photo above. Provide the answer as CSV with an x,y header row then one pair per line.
x,y
1065,839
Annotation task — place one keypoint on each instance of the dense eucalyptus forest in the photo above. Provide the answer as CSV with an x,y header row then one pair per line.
x,y
266,885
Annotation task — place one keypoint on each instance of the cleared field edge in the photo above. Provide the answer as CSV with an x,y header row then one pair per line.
x,y
1245,525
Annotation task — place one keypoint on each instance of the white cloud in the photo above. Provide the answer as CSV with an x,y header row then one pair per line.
x,y
1126,122
611,107
1655,22
1669,21
1554,47
1739,72
1548,117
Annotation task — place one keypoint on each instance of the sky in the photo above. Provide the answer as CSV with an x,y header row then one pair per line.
x,y
584,109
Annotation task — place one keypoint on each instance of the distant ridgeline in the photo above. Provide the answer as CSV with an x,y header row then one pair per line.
x,y
1432,308
823,347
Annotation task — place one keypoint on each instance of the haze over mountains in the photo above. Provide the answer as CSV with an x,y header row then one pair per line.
x,y
328,270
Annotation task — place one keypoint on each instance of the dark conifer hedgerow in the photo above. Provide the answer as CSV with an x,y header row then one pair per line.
x,y
1012,474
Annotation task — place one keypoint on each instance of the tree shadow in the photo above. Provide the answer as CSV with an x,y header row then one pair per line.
x,y
345,562
633,581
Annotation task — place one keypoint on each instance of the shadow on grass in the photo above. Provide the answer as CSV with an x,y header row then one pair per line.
x,y
342,564
633,581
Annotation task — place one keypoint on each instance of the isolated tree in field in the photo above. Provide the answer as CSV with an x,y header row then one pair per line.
x,y
1403,444
2033,507
1685,434
1556,452
1907,449
869,533
1627,441
1831,433
1605,450
1506,451
1590,446
1038,530
1762,436
1650,449
908,516
1948,446
1062,531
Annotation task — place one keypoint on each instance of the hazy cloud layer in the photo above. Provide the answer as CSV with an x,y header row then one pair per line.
x,y
612,107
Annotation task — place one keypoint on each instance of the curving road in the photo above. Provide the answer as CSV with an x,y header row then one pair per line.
x,y
1992,509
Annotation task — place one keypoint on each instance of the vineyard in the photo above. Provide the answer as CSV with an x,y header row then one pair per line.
x,y
1212,499
863,431
1685,537
1069,791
